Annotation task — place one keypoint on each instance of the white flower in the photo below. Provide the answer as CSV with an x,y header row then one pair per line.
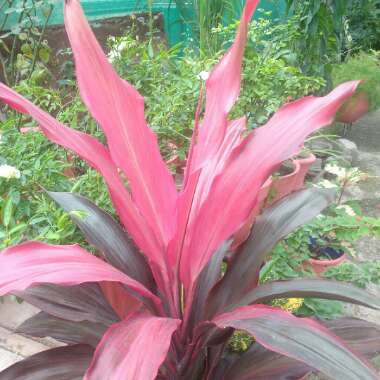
x,y
326,184
203,75
336,170
8,171
347,209
117,50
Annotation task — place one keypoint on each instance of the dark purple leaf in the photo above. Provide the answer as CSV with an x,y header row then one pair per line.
x,y
302,288
361,336
101,230
62,363
260,364
84,302
270,227
301,339
43,325
207,279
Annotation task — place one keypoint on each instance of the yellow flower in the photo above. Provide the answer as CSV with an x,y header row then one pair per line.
x,y
293,304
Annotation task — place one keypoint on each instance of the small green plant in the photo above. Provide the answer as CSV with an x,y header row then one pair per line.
x,y
322,33
202,16
23,51
29,163
361,274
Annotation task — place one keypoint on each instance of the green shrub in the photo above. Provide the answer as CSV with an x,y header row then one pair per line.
x,y
364,24
365,66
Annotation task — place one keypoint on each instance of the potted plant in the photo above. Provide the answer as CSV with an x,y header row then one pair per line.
x,y
324,254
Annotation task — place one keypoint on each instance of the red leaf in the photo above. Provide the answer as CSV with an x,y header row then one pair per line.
x,y
222,90
120,300
133,349
198,185
119,109
302,339
233,193
98,156
34,263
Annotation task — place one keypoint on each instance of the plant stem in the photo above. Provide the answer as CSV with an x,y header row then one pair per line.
x,y
150,7
342,191
203,26
38,45
4,67
14,45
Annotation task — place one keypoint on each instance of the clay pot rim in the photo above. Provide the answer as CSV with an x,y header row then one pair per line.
x,y
328,262
296,169
309,159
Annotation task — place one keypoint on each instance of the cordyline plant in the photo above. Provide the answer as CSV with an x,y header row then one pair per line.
x,y
156,306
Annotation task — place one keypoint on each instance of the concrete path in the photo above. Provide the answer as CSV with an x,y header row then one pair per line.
x,y
15,347
366,135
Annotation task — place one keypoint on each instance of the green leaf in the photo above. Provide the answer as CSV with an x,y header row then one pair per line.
x,y
22,36
7,212
18,228
44,55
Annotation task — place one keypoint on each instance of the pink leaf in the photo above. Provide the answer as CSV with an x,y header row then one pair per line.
x,y
35,263
198,185
234,192
97,155
302,339
133,349
119,109
223,89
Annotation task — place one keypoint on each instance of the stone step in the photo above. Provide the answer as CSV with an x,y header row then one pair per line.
x,y
15,347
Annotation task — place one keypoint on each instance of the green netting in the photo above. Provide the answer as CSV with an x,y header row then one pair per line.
x,y
175,27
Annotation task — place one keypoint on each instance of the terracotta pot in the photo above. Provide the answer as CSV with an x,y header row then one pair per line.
x,y
294,181
305,164
320,266
354,108
337,256
284,185
273,190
